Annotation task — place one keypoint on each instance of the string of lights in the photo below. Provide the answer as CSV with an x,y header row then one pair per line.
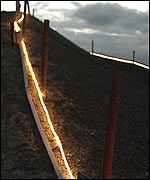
x,y
120,60
17,29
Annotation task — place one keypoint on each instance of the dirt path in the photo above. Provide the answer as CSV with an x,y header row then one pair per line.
x,y
23,154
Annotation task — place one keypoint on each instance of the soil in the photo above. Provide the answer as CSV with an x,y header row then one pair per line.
x,y
77,95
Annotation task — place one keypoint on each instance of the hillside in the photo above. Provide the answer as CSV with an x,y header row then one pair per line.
x,y
78,90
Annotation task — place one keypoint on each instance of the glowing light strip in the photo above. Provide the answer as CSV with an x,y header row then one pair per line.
x,y
21,19
45,109
16,27
41,99
142,65
120,60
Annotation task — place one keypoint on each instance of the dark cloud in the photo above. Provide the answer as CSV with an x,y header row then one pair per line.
x,y
109,15
97,14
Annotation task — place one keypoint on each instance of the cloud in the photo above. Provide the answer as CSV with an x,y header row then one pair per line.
x,y
116,30
39,5
82,30
113,17
76,4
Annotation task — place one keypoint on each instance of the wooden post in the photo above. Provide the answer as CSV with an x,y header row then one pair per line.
x,y
133,56
111,126
92,47
12,32
24,20
17,9
33,12
28,7
18,37
45,57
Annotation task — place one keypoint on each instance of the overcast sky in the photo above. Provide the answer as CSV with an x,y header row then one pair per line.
x,y
117,27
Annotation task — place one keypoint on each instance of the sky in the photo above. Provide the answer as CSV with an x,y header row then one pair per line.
x,y
116,27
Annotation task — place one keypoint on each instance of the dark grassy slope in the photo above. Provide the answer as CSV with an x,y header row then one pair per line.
x,y
78,89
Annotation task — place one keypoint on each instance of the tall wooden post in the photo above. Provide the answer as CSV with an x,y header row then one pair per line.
x,y
133,56
111,126
28,7
45,57
33,13
24,20
12,32
17,9
92,47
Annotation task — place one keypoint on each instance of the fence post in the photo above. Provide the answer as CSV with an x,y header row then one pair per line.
x,y
45,58
24,20
17,9
92,47
12,32
133,56
111,126
33,12
28,7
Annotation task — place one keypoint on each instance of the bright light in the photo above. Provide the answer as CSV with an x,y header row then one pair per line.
x,y
21,19
45,109
17,28
120,60
142,65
